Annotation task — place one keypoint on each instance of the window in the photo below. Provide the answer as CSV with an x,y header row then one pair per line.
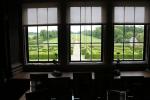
x,y
42,34
85,33
129,32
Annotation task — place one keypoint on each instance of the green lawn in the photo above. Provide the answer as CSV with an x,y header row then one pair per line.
x,y
84,38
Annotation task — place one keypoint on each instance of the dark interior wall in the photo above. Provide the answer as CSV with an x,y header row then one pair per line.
x,y
14,35
5,68
10,45
14,18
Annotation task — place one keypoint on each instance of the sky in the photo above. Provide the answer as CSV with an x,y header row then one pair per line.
x,y
74,28
34,29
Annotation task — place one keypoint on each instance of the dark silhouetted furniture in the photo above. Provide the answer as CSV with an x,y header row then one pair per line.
x,y
38,81
83,85
134,86
102,83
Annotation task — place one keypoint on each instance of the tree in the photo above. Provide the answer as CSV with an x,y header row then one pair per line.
x,y
128,36
52,34
43,34
118,34
140,37
97,33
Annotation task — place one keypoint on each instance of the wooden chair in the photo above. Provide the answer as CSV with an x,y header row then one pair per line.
x,y
60,88
134,86
83,85
37,95
103,83
38,81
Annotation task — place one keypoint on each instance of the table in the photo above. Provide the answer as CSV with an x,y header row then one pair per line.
x,y
26,75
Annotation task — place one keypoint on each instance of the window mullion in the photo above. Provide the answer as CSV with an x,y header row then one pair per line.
x,y
108,35
62,34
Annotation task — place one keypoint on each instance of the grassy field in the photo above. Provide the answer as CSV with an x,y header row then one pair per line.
x,y
84,38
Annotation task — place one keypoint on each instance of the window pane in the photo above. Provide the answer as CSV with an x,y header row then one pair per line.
x,y
75,34
42,15
42,34
32,35
118,48
128,51
139,33
129,14
33,53
52,15
75,52
90,43
43,52
86,34
53,52
32,15
75,14
85,14
129,41
96,33
96,15
119,14
129,33
138,51
139,14
118,33
52,34
86,52
96,52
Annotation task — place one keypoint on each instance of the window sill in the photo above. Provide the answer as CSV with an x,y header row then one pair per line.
x,y
86,63
131,62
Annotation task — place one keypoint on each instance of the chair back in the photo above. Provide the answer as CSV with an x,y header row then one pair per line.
x,y
38,81
83,85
